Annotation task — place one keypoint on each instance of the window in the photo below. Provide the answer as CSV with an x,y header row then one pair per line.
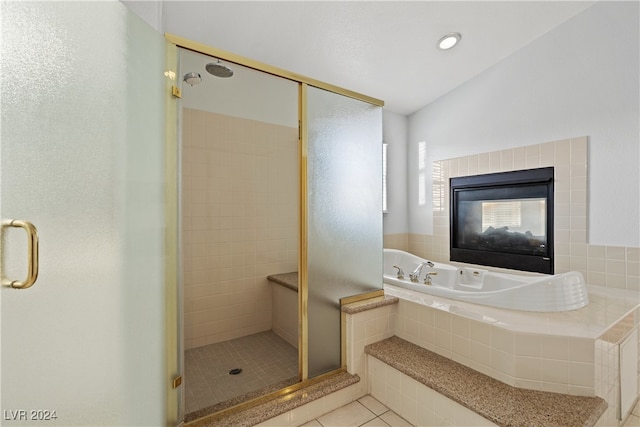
x,y
438,187
384,177
422,173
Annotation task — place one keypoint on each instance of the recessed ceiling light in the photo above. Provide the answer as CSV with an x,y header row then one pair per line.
x,y
449,41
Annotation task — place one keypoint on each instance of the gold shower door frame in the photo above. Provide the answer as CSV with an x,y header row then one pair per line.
x,y
172,293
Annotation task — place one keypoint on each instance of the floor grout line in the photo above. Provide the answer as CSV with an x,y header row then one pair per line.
x,y
376,417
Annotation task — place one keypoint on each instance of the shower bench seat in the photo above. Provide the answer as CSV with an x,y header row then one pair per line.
x,y
288,280
496,401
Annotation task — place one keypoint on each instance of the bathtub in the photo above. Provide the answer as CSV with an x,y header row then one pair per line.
x,y
561,292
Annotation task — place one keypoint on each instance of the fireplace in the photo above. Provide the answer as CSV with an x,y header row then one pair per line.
x,y
503,220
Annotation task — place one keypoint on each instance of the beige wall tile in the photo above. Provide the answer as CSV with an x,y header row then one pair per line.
x,y
463,166
480,332
527,368
581,350
562,153
519,158
554,347
581,374
633,254
554,371
506,160
442,319
495,161
473,164
484,163
547,154
633,268
579,150
503,365
527,345
239,221
502,339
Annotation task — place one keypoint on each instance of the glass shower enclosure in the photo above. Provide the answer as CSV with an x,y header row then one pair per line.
x,y
82,159
344,236
339,208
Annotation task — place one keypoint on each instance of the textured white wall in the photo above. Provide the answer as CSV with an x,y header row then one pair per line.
x,y
579,79
248,94
149,10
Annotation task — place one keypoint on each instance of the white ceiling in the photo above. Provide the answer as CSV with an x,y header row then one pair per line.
x,y
386,50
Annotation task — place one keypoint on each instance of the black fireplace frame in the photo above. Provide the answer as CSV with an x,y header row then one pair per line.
x,y
507,181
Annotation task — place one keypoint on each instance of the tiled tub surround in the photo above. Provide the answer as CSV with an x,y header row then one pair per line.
x,y
607,364
529,354
555,352
541,362
366,324
240,215
485,344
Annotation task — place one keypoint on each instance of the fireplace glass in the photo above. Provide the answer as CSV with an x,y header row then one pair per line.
x,y
504,220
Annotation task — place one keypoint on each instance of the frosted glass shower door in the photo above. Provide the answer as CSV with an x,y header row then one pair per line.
x,y
82,158
344,180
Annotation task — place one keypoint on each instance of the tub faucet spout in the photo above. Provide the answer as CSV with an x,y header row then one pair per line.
x,y
415,274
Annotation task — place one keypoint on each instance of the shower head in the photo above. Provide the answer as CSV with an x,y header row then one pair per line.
x,y
219,70
192,78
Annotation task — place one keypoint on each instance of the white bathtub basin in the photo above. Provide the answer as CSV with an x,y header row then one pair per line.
x,y
561,292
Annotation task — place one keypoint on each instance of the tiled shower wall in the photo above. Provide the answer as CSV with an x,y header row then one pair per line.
x,y
239,222
610,266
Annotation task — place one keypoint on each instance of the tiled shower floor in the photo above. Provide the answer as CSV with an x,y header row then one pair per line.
x,y
265,359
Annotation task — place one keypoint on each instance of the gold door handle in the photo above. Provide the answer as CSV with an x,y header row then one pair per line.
x,y
32,248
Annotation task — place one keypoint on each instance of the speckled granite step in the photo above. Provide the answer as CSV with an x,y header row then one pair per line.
x,y
494,400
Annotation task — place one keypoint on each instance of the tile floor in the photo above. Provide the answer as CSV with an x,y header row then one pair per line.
x,y
264,358
368,412
634,418
365,412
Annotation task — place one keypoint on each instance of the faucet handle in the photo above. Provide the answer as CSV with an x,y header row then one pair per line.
x,y
427,277
399,273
